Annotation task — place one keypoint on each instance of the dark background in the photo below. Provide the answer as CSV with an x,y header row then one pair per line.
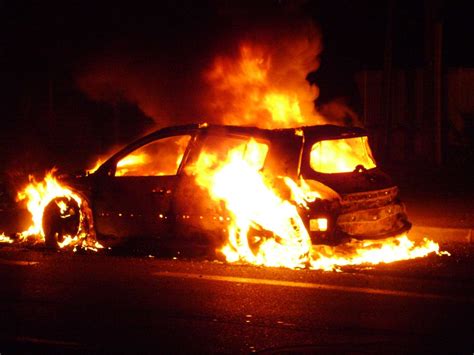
x,y
47,120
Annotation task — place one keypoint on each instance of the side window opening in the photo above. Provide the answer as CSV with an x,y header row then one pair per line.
x,y
251,150
158,158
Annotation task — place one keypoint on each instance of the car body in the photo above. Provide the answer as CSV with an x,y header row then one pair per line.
x,y
162,201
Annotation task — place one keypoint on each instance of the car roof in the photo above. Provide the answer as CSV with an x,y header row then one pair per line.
x,y
327,131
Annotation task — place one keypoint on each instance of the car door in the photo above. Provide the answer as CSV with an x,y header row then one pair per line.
x,y
134,197
203,220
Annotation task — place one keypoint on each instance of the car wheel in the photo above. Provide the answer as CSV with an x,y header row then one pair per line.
x,y
61,218
256,237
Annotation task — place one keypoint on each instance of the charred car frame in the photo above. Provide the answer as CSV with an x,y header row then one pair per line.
x,y
161,200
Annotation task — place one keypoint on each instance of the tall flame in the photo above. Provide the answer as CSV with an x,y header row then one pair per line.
x,y
266,229
253,204
265,85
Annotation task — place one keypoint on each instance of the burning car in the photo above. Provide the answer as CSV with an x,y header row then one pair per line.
x,y
171,186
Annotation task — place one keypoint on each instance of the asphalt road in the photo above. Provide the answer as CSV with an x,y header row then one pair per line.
x,y
100,303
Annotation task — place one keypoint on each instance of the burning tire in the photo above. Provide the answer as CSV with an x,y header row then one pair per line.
x,y
61,219
256,237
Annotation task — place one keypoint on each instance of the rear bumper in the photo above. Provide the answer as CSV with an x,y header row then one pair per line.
x,y
374,223
365,215
372,215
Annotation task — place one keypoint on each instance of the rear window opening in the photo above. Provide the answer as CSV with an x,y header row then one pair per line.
x,y
341,155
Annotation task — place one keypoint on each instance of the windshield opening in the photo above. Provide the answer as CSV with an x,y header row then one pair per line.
x,y
341,155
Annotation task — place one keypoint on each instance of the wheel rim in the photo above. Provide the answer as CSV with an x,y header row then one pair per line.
x,y
61,218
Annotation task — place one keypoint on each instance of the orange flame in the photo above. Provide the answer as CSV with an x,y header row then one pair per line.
x,y
37,196
266,229
144,162
371,252
132,162
341,155
253,204
96,166
5,239
265,85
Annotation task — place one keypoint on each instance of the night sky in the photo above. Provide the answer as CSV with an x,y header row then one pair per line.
x,y
47,46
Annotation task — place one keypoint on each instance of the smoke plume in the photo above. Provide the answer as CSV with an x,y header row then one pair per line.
x,y
247,66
